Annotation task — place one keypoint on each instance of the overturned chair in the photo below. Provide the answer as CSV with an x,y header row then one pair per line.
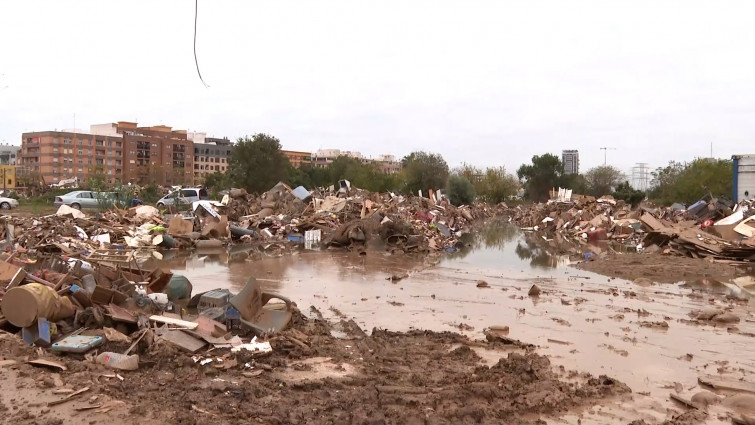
x,y
258,317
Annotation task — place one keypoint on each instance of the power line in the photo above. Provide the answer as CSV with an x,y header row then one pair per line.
x,y
196,12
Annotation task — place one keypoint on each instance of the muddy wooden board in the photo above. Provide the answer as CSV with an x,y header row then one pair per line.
x,y
727,384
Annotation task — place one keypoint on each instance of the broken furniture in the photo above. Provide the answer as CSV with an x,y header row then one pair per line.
x,y
256,315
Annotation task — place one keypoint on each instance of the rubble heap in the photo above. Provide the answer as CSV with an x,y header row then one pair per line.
x,y
705,229
350,218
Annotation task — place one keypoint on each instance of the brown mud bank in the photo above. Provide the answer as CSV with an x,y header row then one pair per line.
x,y
663,268
311,376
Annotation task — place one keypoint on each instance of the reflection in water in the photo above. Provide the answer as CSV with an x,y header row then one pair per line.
x,y
492,236
495,235
539,253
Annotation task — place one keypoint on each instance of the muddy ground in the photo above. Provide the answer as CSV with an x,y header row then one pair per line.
x,y
311,377
663,268
594,337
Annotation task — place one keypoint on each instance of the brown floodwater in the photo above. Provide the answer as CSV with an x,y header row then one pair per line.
x,y
583,321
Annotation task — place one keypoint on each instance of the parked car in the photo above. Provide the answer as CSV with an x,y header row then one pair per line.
x,y
8,203
86,199
184,197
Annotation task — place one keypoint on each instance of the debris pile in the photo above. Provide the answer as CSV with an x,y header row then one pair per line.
x,y
705,229
281,217
67,304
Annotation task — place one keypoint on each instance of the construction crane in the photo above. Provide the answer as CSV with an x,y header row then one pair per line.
x,y
605,154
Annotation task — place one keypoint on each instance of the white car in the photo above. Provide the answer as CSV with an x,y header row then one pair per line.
x,y
8,203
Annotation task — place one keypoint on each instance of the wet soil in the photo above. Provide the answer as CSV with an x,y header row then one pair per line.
x,y
656,335
386,377
663,268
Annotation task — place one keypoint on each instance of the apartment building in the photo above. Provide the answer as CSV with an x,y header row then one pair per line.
x,y
57,155
117,152
297,158
8,173
325,157
570,159
388,164
211,154
8,154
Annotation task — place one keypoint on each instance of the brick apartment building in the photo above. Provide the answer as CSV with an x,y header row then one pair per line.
x,y
117,152
388,164
211,155
297,158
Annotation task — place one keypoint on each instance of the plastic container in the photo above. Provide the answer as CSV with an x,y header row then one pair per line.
x,y
118,361
178,288
159,299
232,318
214,298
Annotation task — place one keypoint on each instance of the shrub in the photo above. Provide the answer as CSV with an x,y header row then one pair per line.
x,y
459,190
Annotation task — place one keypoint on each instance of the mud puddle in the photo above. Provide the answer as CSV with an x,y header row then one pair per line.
x,y
641,334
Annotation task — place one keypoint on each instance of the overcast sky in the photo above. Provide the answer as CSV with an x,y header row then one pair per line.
x,y
483,82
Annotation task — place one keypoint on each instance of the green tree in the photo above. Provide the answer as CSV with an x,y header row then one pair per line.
x,y
460,191
257,164
424,171
216,182
576,182
601,180
625,192
689,182
545,173
496,186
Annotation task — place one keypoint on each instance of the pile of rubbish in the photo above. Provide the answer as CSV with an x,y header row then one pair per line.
x,y
69,305
350,217
335,217
711,228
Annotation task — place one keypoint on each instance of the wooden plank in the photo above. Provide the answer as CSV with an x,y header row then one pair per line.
x,y
175,322
182,340
727,384
651,222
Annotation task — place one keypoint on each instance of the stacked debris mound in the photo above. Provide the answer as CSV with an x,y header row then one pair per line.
x,y
582,218
352,218
690,232
77,303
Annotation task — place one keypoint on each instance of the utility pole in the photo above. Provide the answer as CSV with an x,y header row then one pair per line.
x,y
640,173
605,155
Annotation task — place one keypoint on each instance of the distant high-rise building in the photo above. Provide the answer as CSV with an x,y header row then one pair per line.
x,y
570,158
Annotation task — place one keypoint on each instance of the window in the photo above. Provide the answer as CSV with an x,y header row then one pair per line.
x,y
85,195
81,152
154,145
187,193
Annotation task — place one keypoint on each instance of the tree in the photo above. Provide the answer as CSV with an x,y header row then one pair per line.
x,y
496,186
601,180
460,191
545,173
216,182
424,171
257,164
625,192
689,182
